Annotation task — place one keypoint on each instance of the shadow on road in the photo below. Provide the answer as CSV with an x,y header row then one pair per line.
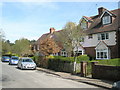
x,y
24,69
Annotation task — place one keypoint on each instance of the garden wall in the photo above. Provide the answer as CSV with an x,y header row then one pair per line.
x,y
106,72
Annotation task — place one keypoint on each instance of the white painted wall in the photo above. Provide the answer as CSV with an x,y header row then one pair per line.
x,y
94,41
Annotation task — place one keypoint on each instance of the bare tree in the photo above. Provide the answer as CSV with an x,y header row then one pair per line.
x,y
70,37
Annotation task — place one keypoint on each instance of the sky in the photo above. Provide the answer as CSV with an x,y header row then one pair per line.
x,y
32,19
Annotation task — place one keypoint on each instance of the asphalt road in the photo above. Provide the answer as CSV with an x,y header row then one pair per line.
x,y
12,77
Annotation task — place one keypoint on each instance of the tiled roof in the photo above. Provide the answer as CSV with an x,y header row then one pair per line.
x,y
97,27
49,35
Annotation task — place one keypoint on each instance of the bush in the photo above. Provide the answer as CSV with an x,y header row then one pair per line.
x,y
57,62
65,59
82,58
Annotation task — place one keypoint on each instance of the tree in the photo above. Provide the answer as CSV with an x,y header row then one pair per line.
x,y
21,47
70,37
5,47
48,46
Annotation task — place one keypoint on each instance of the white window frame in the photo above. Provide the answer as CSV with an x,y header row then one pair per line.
x,y
106,20
82,52
55,54
64,53
38,47
106,36
84,25
103,51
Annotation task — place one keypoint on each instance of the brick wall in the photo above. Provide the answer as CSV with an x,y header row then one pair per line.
x,y
106,72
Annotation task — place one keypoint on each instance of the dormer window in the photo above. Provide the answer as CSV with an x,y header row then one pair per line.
x,y
106,20
83,24
107,17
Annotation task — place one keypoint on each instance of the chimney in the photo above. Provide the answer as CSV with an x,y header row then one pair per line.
x,y
101,10
52,30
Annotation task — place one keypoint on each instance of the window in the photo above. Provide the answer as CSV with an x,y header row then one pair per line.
x,y
82,39
107,36
64,53
103,36
37,47
90,36
78,53
102,54
106,20
55,54
84,24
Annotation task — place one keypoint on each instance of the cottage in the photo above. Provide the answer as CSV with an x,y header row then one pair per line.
x,y
102,39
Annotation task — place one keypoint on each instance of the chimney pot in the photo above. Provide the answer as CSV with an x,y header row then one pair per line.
x,y
101,10
52,30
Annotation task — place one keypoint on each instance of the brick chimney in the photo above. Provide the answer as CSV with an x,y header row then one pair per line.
x,y
52,30
101,10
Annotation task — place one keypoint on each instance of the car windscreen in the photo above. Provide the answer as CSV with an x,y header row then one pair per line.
x,y
6,57
15,58
27,60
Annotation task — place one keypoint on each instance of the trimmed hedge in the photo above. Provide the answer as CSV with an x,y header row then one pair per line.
x,y
58,63
113,62
83,58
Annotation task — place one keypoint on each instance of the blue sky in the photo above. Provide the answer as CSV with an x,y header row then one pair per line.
x,y
31,20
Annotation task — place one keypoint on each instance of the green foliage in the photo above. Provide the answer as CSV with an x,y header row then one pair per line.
x,y
70,37
82,58
57,63
113,62
60,58
20,47
5,47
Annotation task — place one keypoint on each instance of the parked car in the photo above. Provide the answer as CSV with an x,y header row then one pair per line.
x,y
116,86
26,63
13,60
5,58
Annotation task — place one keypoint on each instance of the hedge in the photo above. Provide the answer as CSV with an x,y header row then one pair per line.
x,y
113,62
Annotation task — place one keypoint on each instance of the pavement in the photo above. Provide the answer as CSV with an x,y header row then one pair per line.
x,y
88,80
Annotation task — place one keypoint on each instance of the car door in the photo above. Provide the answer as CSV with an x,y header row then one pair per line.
x,y
19,63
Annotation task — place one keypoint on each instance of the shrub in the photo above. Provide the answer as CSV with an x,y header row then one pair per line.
x,y
82,58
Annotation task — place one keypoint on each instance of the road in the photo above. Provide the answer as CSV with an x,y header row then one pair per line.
x,y
12,77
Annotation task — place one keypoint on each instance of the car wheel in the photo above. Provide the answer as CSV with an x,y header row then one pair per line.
x,y
34,68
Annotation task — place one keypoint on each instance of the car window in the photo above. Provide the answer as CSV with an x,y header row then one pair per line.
x,y
14,57
20,60
27,60
6,57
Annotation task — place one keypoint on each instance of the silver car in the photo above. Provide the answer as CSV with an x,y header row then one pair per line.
x,y
26,63
13,60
